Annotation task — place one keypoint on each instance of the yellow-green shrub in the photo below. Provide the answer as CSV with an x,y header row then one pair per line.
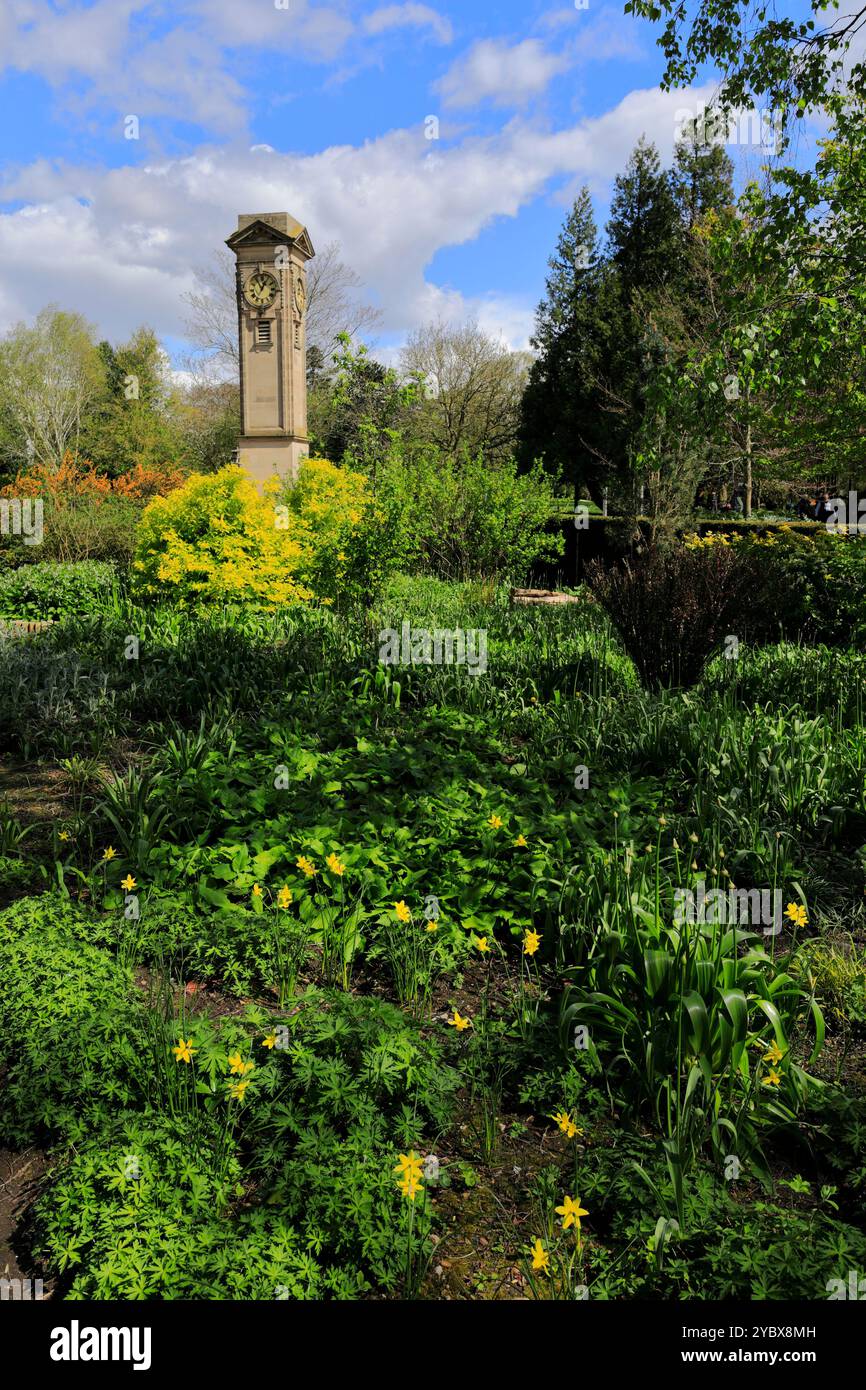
x,y
350,534
215,539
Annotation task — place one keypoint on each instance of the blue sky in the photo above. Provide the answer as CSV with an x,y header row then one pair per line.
x,y
324,110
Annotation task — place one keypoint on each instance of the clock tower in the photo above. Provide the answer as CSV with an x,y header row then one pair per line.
x,y
272,250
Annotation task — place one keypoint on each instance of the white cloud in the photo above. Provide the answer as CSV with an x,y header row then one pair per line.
x,y
131,64
506,75
121,245
408,16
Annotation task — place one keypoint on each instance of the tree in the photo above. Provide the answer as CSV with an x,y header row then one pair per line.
x,y
702,176
472,389
643,231
332,308
588,406
209,424
367,407
131,422
50,374
769,367
793,64
558,414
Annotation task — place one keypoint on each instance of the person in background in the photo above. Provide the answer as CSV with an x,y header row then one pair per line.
x,y
806,509
823,510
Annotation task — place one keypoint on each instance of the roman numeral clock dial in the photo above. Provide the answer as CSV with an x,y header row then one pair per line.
x,y
261,290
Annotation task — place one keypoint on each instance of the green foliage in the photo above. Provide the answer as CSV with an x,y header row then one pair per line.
x,y
731,1247
139,1212
357,1083
130,424
67,1035
469,518
353,537
47,590
272,739
368,406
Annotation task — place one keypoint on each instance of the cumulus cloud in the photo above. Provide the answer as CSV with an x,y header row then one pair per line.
x,y
505,74
118,55
121,245
408,16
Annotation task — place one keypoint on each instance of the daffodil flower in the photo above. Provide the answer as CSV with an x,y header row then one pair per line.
x,y
571,1211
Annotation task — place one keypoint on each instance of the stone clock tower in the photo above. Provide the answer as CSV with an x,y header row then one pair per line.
x,y
272,250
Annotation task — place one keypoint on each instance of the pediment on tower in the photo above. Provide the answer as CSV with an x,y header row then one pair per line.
x,y
271,229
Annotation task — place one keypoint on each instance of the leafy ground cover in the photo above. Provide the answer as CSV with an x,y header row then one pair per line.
x,y
335,979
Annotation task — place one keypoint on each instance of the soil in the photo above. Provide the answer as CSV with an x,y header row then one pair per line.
x,y
20,1174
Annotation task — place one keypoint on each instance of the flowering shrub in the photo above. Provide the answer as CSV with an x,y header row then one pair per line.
x,y
351,534
215,539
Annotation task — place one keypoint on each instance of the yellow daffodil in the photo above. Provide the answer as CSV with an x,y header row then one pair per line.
x,y
402,911
270,1040
409,1163
483,944
495,822
238,1066
540,1257
305,865
520,842
184,1050
284,897
772,1078
335,866
531,943
797,914
566,1123
109,853
571,1212
459,1023
410,1185
128,883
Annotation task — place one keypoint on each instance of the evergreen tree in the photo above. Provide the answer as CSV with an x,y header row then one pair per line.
x,y
644,233
557,410
584,409
702,177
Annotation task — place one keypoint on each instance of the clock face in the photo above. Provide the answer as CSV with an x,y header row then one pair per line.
x,y
261,290
300,294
